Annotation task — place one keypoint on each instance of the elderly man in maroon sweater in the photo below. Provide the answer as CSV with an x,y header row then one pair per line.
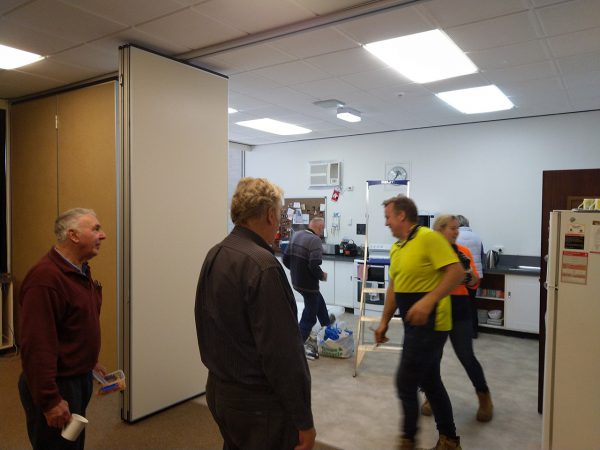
x,y
60,331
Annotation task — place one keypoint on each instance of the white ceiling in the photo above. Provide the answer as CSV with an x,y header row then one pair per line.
x,y
281,56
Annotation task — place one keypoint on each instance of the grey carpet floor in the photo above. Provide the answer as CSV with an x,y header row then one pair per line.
x,y
350,413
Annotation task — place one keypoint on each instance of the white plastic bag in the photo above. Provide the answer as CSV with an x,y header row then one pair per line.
x,y
335,341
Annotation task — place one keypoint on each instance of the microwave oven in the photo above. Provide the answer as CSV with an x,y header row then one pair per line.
x,y
425,220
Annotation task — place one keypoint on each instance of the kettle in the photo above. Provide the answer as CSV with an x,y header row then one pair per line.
x,y
491,259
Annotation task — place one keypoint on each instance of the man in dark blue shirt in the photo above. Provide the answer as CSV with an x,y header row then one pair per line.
x,y
303,257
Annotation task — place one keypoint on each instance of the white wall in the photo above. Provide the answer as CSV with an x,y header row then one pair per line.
x,y
489,172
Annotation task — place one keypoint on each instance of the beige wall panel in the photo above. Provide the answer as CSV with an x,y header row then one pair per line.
x,y
33,182
87,178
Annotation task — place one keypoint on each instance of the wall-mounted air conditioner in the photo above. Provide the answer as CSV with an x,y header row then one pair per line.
x,y
325,173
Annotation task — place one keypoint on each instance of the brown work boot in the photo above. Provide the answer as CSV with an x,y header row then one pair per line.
x,y
406,444
486,407
426,408
448,443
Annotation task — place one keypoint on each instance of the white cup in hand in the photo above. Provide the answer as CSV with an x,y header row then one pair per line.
x,y
73,429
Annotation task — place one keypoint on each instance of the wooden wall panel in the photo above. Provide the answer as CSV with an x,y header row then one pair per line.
x,y
87,179
33,182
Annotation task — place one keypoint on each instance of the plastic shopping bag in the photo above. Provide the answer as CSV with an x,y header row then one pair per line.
x,y
336,341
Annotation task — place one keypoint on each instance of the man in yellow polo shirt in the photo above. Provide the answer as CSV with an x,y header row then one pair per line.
x,y
423,271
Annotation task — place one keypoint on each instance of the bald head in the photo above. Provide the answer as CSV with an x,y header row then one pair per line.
x,y
317,225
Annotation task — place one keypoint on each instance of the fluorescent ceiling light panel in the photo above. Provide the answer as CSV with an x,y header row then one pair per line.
x,y
274,126
477,100
231,110
11,58
348,114
423,57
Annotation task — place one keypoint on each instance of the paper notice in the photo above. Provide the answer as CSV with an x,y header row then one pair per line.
x,y
574,267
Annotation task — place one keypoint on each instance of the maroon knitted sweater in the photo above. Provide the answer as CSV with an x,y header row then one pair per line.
x,y
60,326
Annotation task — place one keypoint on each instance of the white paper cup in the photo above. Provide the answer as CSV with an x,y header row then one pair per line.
x,y
73,429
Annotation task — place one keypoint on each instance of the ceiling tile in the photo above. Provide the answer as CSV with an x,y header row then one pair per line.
x,y
254,16
573,43
510,55
376,27
460,12
7,5
137,37
90,58
248,58
29,39
243,102
452,84
570,17
248,83
524,72
190,29
321,8
325,89
130,12
294,72
317,42
535,92
346,62
65,73
15,84
373,79
58,19
492,33
579,63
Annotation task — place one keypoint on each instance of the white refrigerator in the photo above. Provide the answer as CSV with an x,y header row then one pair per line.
x,y
571,416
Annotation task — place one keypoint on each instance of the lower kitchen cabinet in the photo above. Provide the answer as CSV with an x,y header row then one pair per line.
x,y
327,288
344,283
517,296
522,303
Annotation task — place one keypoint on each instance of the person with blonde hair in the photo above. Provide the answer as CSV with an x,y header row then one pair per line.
x,y
259,385
461,334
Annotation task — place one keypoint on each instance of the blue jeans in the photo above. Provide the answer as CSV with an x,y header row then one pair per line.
x,y
314,307
420,367
461,338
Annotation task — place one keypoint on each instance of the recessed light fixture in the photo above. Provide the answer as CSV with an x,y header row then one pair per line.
x,y
231,110
348,114
274,126
423,57
11,58
477,100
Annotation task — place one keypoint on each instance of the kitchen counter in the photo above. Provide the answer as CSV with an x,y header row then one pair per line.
x,y
516,265
332,257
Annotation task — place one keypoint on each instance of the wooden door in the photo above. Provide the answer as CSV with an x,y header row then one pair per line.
x,y
33,181
561,189
87,178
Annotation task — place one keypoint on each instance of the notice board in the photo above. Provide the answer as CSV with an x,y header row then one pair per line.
x,y
298,212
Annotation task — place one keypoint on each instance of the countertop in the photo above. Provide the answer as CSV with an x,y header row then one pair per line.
x,y
516,265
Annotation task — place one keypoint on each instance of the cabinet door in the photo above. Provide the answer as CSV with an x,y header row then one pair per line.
x,y
328,287
522,303
344,283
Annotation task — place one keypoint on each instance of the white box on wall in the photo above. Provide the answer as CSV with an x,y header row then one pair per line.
x,y
325,173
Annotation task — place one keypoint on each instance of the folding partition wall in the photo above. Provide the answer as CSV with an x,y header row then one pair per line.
x,y
173,209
